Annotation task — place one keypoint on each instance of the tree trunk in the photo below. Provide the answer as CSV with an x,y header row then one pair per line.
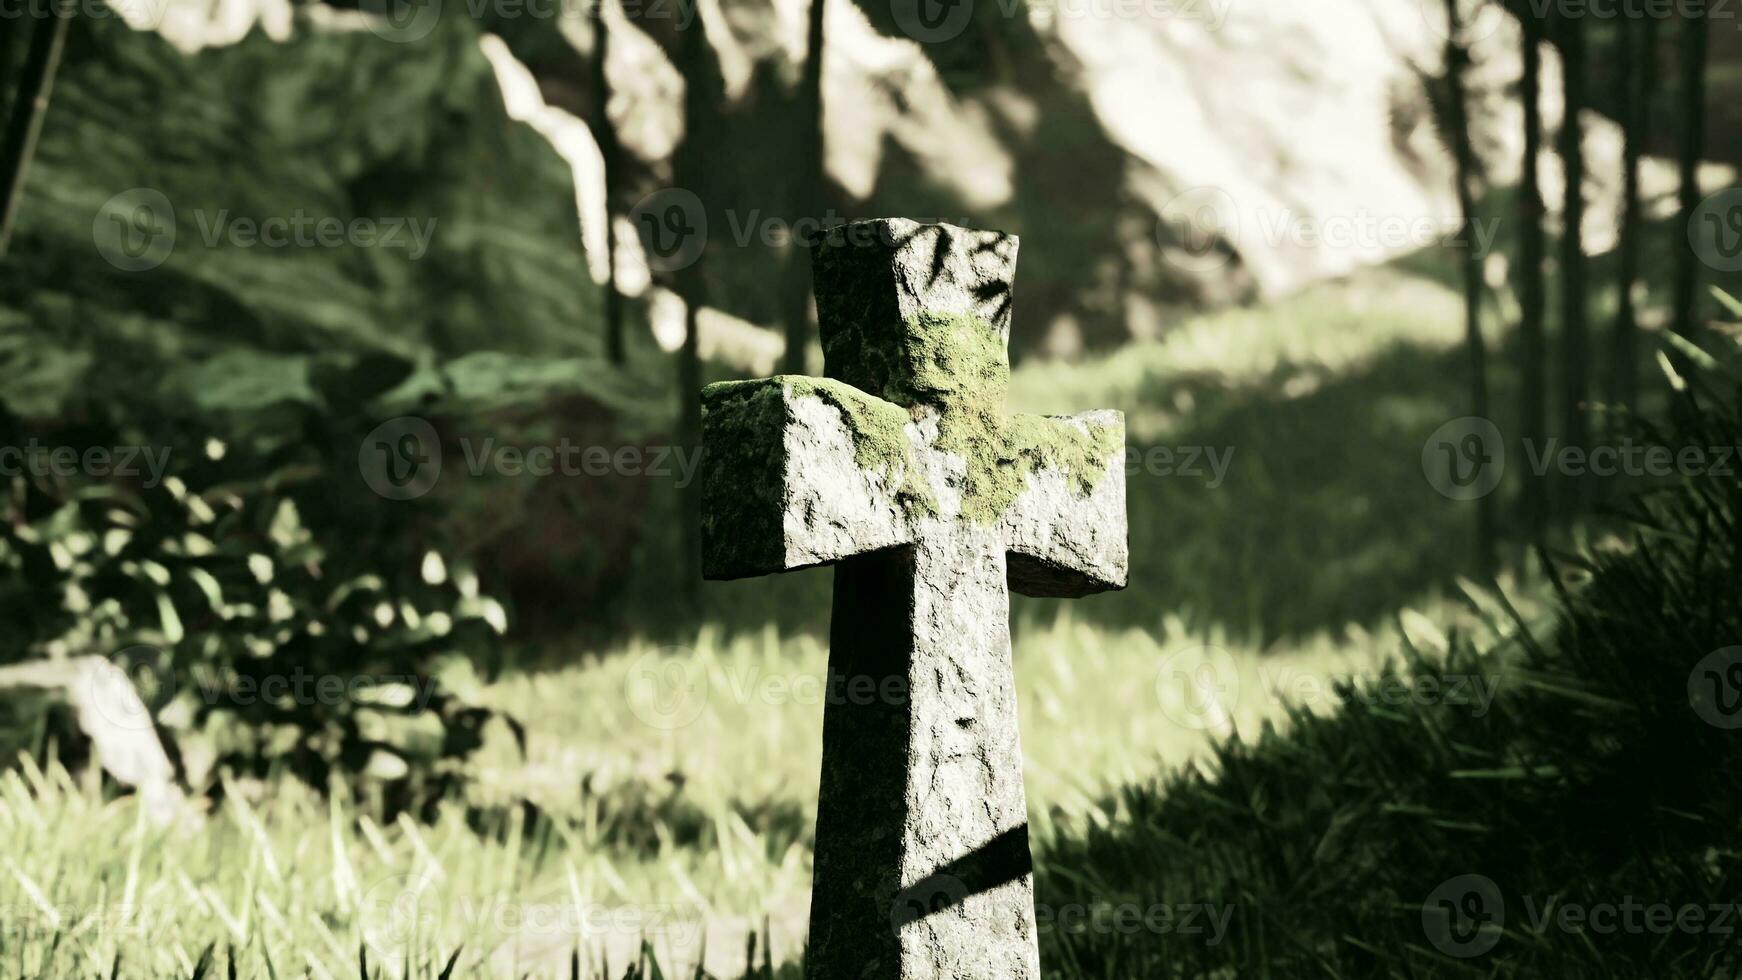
x,y
1532,290
606,135
1634,69
9,33
689,171
1465,163
1575,345
689,393
1693,132
808,181
29,107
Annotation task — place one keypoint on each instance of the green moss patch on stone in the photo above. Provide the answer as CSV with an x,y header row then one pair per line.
x,y
879,431
955,364
878,428
958,364
1038,442
953,361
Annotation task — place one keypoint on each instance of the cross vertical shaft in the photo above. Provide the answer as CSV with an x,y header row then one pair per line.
x,y
922,864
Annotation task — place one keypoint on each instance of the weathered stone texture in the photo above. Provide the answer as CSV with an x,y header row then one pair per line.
x,y
906,472
798,474
1063,542
876,279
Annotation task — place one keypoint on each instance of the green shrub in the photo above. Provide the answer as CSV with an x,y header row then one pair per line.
x,y
267,610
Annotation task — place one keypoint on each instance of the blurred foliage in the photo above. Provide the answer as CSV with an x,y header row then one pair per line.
x,y
227,136
261,371
1593,780
235,593
291,355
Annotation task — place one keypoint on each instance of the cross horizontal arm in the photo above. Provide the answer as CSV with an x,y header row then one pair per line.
x,y
1065,532
799,471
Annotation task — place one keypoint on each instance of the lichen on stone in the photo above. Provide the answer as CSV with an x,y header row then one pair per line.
x,y
879,432
878,428
957,364
953,367
1038,442
954,361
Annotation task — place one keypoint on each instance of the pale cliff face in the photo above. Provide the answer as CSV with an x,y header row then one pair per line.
x,y
1160,154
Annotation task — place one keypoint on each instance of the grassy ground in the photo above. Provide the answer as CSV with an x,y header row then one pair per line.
x,y
673,787
1577,824
668,787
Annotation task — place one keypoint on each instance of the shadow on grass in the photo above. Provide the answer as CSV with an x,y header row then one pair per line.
x,y
1573,825
1322,516
1288,506
1280,508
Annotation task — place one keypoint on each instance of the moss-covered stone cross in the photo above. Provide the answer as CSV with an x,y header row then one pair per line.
x,y
903,469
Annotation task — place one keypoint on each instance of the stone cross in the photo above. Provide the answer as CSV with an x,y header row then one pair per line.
x,y
903,470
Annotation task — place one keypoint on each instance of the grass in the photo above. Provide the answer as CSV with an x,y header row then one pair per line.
x,y
1435,839
667,796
